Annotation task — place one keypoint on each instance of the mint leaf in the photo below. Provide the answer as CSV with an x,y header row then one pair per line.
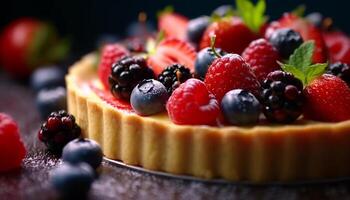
x,y
293,70
302,56
315,71
252,15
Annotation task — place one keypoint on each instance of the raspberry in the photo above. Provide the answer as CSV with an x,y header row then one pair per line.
x,y
12,150
230,72
191,103
173,76
262,57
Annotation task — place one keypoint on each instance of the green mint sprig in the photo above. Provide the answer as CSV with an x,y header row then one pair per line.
x,y
252,15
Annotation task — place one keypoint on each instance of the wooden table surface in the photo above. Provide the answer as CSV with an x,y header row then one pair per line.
x,y
31,182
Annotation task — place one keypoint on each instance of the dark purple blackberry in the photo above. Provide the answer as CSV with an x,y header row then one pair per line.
x,y
282,97
173,76
341,70
126,74
59,129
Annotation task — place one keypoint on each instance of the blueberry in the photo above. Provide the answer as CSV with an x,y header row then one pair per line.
x,y
72,181
286,41
196,28
47,77
223,10
49,100
240,107
83,150
204,59
149,97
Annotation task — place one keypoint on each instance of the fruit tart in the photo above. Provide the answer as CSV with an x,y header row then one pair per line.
x,y
238,99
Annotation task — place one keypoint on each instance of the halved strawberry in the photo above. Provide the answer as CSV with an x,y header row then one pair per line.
x,y
338,44
171,51
307,30
173,25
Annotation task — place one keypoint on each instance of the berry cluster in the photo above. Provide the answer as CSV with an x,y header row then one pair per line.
x,y
173,76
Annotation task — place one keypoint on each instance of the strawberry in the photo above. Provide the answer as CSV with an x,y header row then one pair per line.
x,y
307,30
338,44
262,57
173,24
230,72
111,53
172,51
327,99
28,43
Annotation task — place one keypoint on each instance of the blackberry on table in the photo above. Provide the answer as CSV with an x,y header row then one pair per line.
x,y
342,70
126,74
173,76
282,97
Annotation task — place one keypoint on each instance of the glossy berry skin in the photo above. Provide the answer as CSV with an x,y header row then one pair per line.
x,y
126,74
240,107
341,70
149,97
193,104
338,44
173,76
47,77
262,58
83,150
72,181
173,24
286,40
327,99
205,58
282,97
196,28
230,72
50,100
12,150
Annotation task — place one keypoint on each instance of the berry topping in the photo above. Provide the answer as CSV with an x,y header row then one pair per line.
x,y
173,76
262,58
341,70
83,150
126,74
173,24
149,97
110,54
282,97
192,104
205,58
321,22
230,72
172,51
49,100
286,41
72,181
59,129
196,28
240,107
135,45
223,10
338,44
12,150
47,77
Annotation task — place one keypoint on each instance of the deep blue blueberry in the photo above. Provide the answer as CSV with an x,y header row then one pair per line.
x,y
47,77
49,100
149,97
205,58
196,28
72,181
223,10
240,107
83,150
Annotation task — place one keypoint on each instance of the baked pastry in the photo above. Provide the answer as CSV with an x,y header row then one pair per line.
x,y
218,128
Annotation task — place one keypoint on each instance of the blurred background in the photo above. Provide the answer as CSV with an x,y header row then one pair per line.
x,y
85,20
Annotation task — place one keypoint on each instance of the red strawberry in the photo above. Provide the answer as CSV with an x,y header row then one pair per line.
x,y
110,54
173,24
171,51
338,44
327,99
307,30
12,150
262,57
232,35
230,72
191,103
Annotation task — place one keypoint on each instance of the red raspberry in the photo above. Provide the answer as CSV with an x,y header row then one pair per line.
x,y
262,57
12,150
110,54
192,104
230,72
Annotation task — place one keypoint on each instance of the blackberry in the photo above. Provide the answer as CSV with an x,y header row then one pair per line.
x,y
286,41
173,76
126,74
282,97
59,129
341,70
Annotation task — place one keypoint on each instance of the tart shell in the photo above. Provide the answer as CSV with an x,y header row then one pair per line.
x,y
297,152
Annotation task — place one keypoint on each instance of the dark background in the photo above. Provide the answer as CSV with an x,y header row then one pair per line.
x,y
85,20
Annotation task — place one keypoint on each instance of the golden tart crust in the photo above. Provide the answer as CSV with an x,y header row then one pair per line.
x,y
258,154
